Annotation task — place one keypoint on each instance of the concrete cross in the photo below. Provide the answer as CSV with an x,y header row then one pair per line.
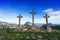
x,y
19,20
46,16
32,16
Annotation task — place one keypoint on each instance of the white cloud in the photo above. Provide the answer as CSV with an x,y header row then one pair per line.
x,y
52,12
48,10
54,15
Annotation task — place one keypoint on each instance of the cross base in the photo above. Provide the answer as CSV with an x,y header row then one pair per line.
x,y
49,29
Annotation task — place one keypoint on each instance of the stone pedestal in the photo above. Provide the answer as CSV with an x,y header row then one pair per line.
x,y
49,29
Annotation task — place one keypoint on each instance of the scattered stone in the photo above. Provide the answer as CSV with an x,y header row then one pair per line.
x,y
33,37
39,36
27,37
18,34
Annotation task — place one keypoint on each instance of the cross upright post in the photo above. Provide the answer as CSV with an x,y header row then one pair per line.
x,y
32,17
19,20
46,16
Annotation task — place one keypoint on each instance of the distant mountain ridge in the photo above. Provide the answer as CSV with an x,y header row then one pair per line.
x,y
50,24
9,24
37,24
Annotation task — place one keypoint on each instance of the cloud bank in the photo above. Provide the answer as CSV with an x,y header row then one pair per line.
x,y
54,15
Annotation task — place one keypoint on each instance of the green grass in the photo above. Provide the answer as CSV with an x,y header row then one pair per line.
x,y
23,35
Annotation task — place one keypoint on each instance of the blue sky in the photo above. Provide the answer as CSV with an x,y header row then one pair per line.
x,y
10,9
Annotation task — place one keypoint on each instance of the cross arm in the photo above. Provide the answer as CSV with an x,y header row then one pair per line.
x,y
32,12
46,16
19,16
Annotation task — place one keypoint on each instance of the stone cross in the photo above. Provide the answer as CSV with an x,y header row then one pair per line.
x,y
46,16
19,20
32,16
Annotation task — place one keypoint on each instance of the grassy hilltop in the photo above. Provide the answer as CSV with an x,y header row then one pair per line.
x,y
5,35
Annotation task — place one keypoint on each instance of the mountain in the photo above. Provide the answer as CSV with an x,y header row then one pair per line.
x,y
29,23
1,23
50,24
12,24
38,24
9,24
